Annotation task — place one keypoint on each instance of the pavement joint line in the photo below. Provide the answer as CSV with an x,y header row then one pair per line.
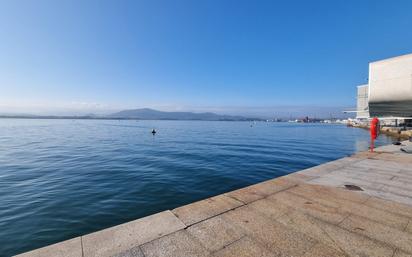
x,y
234,208
160,237
397,175
315,200
312,177
211,217
393,248
346,217
81,244
231,209
141,250
406,226
368,197
385,190
197,240
225,246
370,238
267,196
263,196
177,217
233,197
327,234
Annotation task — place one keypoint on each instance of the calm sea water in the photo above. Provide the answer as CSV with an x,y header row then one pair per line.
x,y
64,178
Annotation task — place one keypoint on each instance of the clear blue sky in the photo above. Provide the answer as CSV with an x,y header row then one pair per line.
x,y
193,55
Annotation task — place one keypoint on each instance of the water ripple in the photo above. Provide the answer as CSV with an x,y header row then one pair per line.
x,y
62,178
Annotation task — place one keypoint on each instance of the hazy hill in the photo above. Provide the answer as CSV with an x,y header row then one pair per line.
x,y
150,114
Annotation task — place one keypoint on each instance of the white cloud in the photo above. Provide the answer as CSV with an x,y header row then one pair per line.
x,y
58,108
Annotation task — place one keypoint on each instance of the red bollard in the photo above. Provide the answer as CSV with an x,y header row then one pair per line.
x,y
374,128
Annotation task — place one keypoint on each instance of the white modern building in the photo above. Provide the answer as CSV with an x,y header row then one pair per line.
x,y
362,105
390,87
388,94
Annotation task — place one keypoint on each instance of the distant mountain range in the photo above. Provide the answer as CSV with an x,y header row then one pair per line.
x,y
141,114
150,114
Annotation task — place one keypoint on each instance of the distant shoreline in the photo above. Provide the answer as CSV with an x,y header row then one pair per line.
x,y
138,114
151,114
109,118
154,119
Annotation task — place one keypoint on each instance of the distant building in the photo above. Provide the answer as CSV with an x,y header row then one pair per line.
x,y
362,106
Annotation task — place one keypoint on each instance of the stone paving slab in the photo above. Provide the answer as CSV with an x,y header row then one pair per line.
x,y
323,169
390,206
310,213
389,195
392,174
341,240
385,234
215,233
297,177
244,247
379,164
320,250
273,235
364,173
329,193
328,213
402,254
409,227
340,180
397,190
354,244
402,157
69,248
360,209
309,226
365,155
133,252
120,238
378,183
372,186
271,208
402,177
178,244
262,190
198,211
398,158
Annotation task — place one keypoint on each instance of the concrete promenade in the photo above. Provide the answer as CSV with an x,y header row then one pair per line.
x,y
355,206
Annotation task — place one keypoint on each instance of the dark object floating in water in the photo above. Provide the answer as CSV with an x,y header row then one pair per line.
x,y
397,143
353,188
153,131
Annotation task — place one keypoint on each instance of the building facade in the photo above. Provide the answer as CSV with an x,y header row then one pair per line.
x,y
362,106
390,87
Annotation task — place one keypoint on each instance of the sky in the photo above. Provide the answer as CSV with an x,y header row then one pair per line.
x,y
226,56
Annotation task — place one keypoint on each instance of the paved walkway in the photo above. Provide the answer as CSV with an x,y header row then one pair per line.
x,y
356,206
